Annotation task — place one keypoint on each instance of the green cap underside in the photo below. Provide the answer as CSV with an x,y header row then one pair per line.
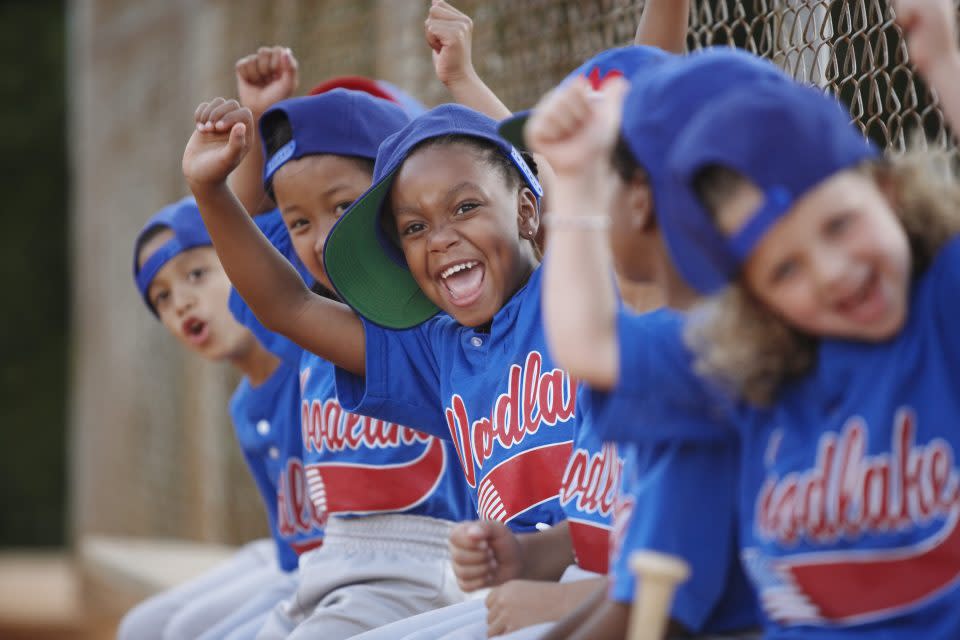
x,y
511,130
366,277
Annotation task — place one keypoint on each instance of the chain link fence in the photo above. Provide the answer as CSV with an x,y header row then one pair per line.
x,y
149,424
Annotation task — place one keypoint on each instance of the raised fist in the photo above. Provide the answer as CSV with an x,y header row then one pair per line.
x,y
218,143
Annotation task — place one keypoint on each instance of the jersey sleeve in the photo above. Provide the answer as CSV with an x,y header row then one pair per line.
x,y
945,272
680,499
658,397
402,381
278,345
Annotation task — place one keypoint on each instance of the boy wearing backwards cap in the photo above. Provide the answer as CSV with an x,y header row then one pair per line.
x,y
182,283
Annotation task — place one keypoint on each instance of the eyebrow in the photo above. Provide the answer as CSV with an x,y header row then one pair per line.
x,y
340,186
450,194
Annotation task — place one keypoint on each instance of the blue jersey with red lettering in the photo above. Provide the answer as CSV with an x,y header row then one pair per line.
x,y
851,492
266,419
681,499
589,490
355,465
494,391
676,497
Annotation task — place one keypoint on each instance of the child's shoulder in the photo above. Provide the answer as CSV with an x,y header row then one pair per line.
x,y
937,287
948,258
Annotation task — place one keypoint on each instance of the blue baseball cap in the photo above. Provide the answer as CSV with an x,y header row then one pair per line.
x,y
658,107
624,62
183,219
340,122
785,138
364,264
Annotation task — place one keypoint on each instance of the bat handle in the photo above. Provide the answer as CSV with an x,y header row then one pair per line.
x,y
658,575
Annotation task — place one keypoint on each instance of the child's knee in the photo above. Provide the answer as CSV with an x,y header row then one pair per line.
x,y
144,621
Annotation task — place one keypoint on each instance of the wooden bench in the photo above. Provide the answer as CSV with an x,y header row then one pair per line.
x,y
47,595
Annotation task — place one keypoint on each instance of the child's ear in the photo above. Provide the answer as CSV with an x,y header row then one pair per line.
x,y
528,213
640,203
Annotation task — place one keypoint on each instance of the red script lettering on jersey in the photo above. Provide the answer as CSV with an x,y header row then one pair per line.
x,y
532,398
328,426
848,493
593,480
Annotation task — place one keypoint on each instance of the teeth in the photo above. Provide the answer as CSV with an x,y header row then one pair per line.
x,y
446,273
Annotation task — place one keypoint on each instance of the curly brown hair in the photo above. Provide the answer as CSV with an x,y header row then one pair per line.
x,y
741,344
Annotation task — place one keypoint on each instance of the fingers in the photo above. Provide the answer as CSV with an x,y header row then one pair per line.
x,y
471,556
563,112
203,111
276,60
238,139
446,25
468,537
266,65
223,109
220,115
474,576
496,622
612,95
290,61
264,69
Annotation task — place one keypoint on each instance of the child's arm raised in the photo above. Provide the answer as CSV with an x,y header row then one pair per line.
x,y
449,33
930,28
576,129
268,283
664,25
263,79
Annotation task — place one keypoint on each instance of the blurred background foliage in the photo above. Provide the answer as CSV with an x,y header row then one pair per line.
x,y
33,278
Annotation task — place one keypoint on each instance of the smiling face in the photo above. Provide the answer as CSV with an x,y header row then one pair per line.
x,y
190,294
837,264
465,229
312,193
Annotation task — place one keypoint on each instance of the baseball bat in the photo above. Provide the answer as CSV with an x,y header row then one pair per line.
x,y
658,575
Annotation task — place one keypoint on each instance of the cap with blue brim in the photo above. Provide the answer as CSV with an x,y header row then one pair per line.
x,y
362,260
784,138
619,62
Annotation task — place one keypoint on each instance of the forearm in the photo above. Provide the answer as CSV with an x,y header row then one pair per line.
x,y
579,294
262,276
944,78
274,290
246,181
471,91
547,553
664,25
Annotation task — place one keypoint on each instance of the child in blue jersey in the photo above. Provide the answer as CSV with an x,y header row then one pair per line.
x,y
182,283
668,490
548,458
389,493
836,335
